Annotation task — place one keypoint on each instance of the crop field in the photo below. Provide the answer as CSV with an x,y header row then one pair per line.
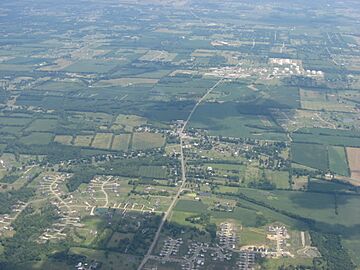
x,y
64,139
121,142
125,82
326,139
320,207
39,138
153,172
14,121
42,125
353,155
226,120
311,155
316,100
83,140
338,160
102,140
91,66
142,141
62,86
119,119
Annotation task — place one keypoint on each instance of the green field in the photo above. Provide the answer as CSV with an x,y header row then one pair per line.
x,y
143,141
39,138
190,206
327,136
91,66
153,172
42,125
14,121
311,155
228,119
338,161
318,206
279,178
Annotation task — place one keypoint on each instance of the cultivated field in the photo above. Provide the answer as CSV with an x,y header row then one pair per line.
x,y
121,142
147,140
353,155
102,140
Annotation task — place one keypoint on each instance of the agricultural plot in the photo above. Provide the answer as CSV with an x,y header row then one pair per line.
x,y
153,172
62,85
121,142
327,136
14,121
338,160
353,155
320,100
64,139
83,140
123,82
102,140
142,108
311,155
226,119
42,125
328,211
158,56
37,138
146,140
92,66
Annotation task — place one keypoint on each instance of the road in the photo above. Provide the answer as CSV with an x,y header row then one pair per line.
x,y
56,195
183,175
105,193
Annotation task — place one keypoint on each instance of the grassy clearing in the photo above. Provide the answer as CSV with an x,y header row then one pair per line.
x,y
192,206
252,236
121,142
110,260
130,121
278,263
279,178
146,140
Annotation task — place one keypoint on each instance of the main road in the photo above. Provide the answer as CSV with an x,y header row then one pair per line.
x,y
183,175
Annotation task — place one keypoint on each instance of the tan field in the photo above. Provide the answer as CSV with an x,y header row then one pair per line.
x,y
353,155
